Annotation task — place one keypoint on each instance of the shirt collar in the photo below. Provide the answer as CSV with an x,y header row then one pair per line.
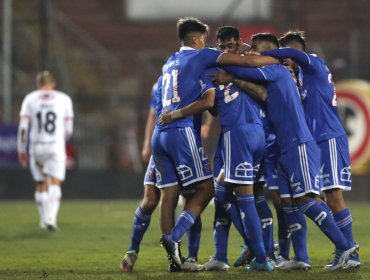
x,y
186,48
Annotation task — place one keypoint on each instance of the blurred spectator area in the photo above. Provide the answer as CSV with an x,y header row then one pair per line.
x,y
107,55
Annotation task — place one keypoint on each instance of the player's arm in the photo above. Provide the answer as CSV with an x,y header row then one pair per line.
x,y
149,128
238,74
247,60
206,126
206,101
254,90
299,57
68,120
22,140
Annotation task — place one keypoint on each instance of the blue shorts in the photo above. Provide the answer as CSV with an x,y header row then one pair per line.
x,y
299,170
242,151
270,162
150,177
335,164
179,157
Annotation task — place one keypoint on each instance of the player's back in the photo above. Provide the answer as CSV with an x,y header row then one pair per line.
x,y
319,101
180,80
48,111
284,108
234,107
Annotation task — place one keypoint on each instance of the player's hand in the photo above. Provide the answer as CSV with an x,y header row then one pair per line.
x,y
253,53
23,159
244,49
165,117
146,153
221,78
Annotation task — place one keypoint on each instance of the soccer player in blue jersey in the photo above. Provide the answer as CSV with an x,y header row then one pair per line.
x,y
299,156
150,201
185,163
320,107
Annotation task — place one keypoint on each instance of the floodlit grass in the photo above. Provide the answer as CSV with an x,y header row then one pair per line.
x,y
94,235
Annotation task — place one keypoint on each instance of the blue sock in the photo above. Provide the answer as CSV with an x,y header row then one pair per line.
x,y
252,225
325,221
323,204
265,215
194,238
221,228
283,234
139,227
183,224
298,231
343,219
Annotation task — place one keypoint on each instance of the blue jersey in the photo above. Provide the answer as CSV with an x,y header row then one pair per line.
x,y
234,107
153,97
180,82
318,94
284,109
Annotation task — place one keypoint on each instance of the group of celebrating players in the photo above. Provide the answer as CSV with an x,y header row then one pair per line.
x,y
276,107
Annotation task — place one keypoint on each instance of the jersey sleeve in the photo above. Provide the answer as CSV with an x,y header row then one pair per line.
x,y
206,81
152,98
209,56
69,109
262,74
301,58
25,108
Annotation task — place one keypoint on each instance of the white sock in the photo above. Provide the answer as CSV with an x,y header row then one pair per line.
x,y
55,196
39,207
45,206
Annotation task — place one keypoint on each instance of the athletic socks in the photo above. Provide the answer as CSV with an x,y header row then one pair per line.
x,y
227,198
325,221
41,198
252,224
139,227
221,228
283,234
55,196
194,234
343,219
183,224
265,215
298,231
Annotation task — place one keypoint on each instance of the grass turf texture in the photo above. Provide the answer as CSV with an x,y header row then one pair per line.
x,y
94,235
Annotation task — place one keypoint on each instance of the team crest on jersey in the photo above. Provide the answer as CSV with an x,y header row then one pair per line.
x,y
244,170
345,174
184,172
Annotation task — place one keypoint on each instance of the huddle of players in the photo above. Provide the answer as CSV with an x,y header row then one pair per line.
x,y
285,120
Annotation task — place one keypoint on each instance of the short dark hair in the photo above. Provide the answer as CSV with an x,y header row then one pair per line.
x,y
293,36
225,33
187,25
266,37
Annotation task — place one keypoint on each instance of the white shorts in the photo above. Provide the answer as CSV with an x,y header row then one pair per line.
x,y
42,165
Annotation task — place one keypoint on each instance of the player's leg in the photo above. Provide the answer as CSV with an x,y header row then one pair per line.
x,y
265,214
41,192
242,156
190,263
305,188
140,225
336,177
221,222
55,169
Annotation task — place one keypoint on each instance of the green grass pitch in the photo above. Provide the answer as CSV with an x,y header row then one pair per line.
x,y
94,235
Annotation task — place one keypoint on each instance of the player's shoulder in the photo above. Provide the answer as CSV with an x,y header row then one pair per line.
x,y
62,94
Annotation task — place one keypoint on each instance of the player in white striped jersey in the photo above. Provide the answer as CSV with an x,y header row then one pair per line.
x,y
46,122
